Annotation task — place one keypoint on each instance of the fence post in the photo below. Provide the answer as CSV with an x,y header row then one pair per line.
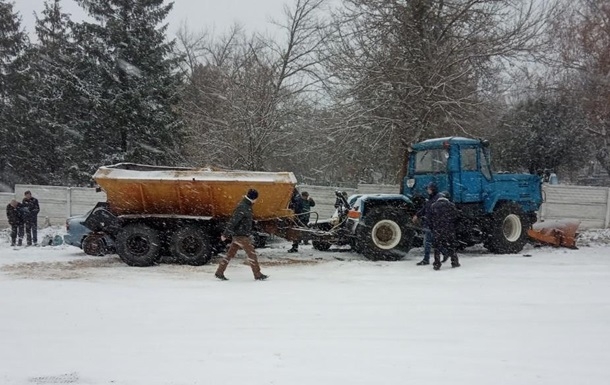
x,y
607,222
69,202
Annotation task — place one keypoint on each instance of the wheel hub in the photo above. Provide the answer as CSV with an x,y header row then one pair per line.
x,y
191,245
511,227
138,245
386,234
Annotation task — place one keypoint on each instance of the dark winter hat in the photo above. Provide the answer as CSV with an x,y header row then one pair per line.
x,y
305,194
27,192
446,194
433,187
252,194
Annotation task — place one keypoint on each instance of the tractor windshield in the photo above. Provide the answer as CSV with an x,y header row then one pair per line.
x,y
434,160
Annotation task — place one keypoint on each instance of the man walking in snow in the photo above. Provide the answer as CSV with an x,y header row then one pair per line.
x,y
14,214
31,218
296,204
424,214
308,203
443,217
239,229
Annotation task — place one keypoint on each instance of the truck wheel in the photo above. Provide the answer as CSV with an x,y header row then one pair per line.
x,y
508,233
321,245
191,246
138,245
387,235
94,245
260,240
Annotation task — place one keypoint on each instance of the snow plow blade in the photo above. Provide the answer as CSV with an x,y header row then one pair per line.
x,y
560,233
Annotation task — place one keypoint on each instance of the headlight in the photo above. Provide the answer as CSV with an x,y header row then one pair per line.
x,y
410,183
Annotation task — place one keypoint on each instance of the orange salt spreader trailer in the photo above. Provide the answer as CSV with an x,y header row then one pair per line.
x,y
151,211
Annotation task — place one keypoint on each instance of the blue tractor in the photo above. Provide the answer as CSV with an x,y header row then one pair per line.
x,y
498,208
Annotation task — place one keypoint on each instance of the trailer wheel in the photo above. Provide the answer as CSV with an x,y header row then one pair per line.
x,y
387,235
138,245
508,232
94,245
191,246
260,240
321,245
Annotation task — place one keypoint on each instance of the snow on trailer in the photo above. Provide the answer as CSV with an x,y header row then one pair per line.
x,y
142,189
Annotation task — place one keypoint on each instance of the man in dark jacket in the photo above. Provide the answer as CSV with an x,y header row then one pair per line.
x,y
31,218
308,203
296,204
424,214
239,229
14,213
443,219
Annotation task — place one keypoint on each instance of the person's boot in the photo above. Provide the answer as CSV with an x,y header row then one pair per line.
x,y
437,260
423,262
12,243
293,250
261,277
221,277
454,261
19,242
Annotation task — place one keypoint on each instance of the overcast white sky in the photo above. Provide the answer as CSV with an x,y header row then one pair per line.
x,y
199,14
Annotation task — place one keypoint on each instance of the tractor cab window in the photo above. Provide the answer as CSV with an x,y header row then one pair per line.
x,y
468,159
431,161
486,164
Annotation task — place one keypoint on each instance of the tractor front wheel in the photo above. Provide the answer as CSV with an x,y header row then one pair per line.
x,y
508,231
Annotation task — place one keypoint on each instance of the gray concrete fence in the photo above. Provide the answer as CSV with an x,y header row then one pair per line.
x,y
590,205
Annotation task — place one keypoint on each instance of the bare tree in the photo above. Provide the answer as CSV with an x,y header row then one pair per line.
x,y
407,70
246,90
583,37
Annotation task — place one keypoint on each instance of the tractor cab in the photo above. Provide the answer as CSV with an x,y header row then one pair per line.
x,y
459,166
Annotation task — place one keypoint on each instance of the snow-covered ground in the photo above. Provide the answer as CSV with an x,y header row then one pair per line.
x,y
322,318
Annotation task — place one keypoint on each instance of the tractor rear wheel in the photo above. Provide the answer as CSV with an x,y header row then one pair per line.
x,y
387,235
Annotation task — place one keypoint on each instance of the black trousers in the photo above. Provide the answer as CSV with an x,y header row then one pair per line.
x,y
31,230
16,231
447,248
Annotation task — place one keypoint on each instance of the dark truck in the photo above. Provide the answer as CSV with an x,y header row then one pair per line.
x,y
498,208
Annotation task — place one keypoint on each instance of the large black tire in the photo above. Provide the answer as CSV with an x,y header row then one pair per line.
x,y
191,245
387,234
94,245
259,240
508,229
138,245
321,245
